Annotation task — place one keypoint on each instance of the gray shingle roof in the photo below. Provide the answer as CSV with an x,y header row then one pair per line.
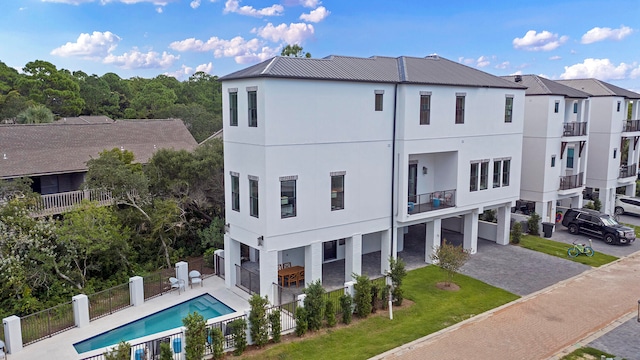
x,y
434,70
61,148
597,87
95,119
537,85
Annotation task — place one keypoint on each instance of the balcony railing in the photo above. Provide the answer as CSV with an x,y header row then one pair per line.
x,y
631,125
431,201
575,129
52,204
628,171
571,181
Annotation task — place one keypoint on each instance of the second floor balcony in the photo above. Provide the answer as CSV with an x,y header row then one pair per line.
x,y
431,201
631,125
628,170
571,181
574,129
53,204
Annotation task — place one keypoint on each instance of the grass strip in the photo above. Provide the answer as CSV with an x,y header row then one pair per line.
x,y
559,249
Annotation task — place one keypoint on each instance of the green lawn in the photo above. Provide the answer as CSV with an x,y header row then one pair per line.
x,y
587,353
433,310
559,249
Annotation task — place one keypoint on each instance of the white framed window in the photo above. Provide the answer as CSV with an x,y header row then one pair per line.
x,y
460,108
252,103
288,196
556,107
235,191
337,190
253,196
379,99
425,107
508,109
233,107
473,177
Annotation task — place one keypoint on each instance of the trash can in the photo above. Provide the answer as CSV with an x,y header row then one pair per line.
x,y
547,229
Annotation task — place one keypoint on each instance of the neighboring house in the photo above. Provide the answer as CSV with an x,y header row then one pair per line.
x,y
613,150
554,157
54,155
334,158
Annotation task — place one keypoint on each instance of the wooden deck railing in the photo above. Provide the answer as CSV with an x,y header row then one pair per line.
x,y
53,204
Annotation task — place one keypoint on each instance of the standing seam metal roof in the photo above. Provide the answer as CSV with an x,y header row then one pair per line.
x,y
597,87
428,70
537,85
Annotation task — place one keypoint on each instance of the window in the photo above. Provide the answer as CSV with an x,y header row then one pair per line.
x,y
556,107
235,192
253,197
506,171
233,108
570,152
253,108
484,175
287,197
575,107
337,191
553,161
615,153
459,109
425,109
497,167
330,250
473,185
379,94
508,109
619,105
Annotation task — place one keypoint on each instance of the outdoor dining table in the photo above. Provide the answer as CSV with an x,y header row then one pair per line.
x,y
284,273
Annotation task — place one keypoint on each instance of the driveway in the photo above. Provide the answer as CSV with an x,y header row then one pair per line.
x,y
561,234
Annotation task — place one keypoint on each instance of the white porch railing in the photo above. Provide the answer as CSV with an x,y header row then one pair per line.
x,y
52,204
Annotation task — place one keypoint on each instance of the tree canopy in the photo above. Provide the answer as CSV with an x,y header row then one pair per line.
x,y
294,50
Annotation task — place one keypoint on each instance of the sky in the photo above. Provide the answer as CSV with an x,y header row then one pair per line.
x,y
558,39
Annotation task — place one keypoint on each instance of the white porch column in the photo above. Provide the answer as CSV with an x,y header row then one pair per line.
x,y
577,201
400,239
433,239
504,224
12,334
312,263
470,241
353,256
231,258
80,305
385,251
268,273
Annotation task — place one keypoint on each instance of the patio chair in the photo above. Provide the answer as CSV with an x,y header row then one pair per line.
x,y
177,284
292,278
300,278
286,265
195,277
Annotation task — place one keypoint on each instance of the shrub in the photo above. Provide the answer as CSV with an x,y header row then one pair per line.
x,y
384,296
259,326
217,343
165,351
301,321
330,313
597,204
239,336
534,224
397,273
362,298
208,257
196,336
120,352
450,258
489,216
516,233
589,205
314,305
346,302
276,325
375,291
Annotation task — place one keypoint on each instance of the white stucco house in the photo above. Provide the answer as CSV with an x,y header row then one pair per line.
x,y
555,142
333,158
613,150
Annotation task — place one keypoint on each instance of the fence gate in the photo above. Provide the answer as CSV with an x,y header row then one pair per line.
x,y
218,262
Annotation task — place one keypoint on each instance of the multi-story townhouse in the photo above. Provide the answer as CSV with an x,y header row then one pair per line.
x,y
337,157
554,157
614,131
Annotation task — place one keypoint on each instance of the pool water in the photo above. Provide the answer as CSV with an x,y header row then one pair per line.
x,y
167,319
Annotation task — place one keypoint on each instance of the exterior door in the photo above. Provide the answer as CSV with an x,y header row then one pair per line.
x,y
330,250
413,182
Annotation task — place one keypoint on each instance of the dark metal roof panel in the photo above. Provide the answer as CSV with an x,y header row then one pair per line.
x,y
597,87
537,85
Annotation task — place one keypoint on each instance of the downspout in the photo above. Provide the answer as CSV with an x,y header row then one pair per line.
x,y
393,176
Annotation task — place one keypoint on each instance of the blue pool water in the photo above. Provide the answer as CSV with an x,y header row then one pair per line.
x,y
170,318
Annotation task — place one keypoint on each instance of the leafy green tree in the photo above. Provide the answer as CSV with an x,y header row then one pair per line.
x,y
37,114
330,313
98,97
217,342
196,336
238,334
165,351
202,89
397,272
258,320
362,297
13,104
276,325
346,303
314,305
302,324
450,259
534,224
200,122
516,233
294,50
120,352
56,89
8,78
153,98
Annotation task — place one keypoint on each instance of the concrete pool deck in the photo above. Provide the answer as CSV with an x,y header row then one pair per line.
x,y
60,346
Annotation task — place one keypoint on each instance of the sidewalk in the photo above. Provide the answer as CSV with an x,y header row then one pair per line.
x,y
540,325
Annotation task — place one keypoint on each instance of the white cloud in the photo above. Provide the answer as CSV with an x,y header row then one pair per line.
x,y
264,54
599,34
466,61
195,4
159,10
482,61
310,3
294,33
139,60
104,2
556,57
635,73
519,72
233,6
316,15
181,73
98,44
207,68
543,41
243,51
503,65
601,69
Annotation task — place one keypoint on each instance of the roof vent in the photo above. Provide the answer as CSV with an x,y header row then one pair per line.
x,y
518,78
433,57
4,156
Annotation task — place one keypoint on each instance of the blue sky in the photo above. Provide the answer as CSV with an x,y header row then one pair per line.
x,y
557,39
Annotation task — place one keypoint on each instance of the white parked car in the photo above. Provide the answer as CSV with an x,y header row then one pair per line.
x,y
627,204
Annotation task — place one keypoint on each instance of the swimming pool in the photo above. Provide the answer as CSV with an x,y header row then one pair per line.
x,y
167,319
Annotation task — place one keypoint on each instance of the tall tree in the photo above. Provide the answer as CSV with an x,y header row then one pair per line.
x,y
153,98
294,50
36,114
13,104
